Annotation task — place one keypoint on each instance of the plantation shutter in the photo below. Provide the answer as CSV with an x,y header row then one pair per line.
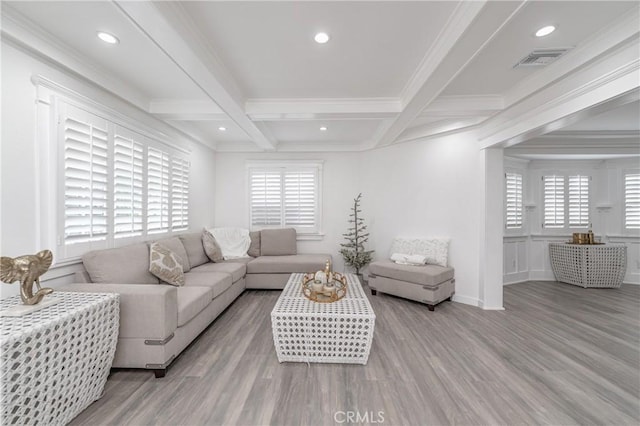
x,y
632,201
127,185
553,201
85,150
578,201
157,191
179,194
513,204
300,195
265,197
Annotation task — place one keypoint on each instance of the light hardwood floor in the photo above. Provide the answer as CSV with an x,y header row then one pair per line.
x,y
558,354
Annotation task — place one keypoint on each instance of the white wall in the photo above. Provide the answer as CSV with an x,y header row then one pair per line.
x,y
23,185
526,255
341,184
430,188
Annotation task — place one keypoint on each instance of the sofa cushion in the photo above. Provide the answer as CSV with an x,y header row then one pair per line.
x,y
243,260
211,247
195,250
217,281
129,264
165,264
287,264
278,242
175,245
254,248
191,301
424,274
236,270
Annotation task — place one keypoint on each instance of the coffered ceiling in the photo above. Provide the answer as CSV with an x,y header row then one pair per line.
x,y
392,71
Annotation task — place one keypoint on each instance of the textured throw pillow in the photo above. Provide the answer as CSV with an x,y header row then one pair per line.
x,y
278,242
254,248
165,264
211,247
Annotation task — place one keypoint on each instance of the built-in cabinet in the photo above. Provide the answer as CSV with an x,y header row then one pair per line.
x,y
526,250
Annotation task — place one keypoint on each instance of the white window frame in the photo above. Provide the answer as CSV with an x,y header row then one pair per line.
x,y
566,176
520,229
623,209
50,209
288,166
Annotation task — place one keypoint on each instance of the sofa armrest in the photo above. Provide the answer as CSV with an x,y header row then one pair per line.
x,y
148,311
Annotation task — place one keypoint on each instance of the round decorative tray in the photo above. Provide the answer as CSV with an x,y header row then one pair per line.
x,y
324,293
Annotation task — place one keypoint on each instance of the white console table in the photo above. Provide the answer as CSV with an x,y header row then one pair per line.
x,y
55,362
602,265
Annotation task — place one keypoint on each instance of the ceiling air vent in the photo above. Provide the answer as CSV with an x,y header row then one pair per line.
x,y
541,57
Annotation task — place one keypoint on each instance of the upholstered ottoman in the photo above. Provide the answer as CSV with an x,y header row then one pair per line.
x,y
429,283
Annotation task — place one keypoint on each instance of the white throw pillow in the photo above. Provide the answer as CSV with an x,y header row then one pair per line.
x,y
436,250
409,259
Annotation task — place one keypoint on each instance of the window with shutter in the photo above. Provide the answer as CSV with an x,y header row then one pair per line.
x,y
127,185
179,194
265,197
285,196
632,201
85,147
157,191
553,187
513,202
300,199
578,201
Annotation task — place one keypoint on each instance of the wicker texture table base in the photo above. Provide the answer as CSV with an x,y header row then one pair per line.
x,y
602,266
55,362
307,331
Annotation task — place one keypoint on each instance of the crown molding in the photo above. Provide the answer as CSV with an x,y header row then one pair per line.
x,y
322,108
23,33
440,128
598,44
594,134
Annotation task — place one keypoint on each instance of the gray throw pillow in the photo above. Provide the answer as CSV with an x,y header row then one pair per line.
x,y
278,242
211,247
254,248
165,264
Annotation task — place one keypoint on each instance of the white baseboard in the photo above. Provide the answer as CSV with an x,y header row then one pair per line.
x,y
515,278
466,300
541,276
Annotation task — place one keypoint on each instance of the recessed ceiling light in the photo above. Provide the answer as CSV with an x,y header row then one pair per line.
x,y
222,128
545,31
321,38
323,128
108,38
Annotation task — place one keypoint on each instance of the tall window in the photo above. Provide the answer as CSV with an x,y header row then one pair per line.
x,y
112,179
285,196
566,201
632,201
513,201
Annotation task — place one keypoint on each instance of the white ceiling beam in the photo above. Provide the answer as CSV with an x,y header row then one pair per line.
x,y
187,110
192,59
322,109
472,26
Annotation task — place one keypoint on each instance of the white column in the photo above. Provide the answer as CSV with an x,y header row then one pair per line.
x,y
491,229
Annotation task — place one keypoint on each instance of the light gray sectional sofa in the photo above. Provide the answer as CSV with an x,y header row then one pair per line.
x,y
158,320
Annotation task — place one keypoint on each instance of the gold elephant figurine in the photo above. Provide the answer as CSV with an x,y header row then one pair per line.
x,y
27,269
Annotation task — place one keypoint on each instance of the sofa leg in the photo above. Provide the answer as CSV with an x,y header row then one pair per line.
x,y
431,307
374,292
448,299
159,373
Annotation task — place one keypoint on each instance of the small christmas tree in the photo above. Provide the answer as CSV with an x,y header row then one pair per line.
x,y
353,250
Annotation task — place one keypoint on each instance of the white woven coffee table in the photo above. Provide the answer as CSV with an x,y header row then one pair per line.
x,y
338,332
